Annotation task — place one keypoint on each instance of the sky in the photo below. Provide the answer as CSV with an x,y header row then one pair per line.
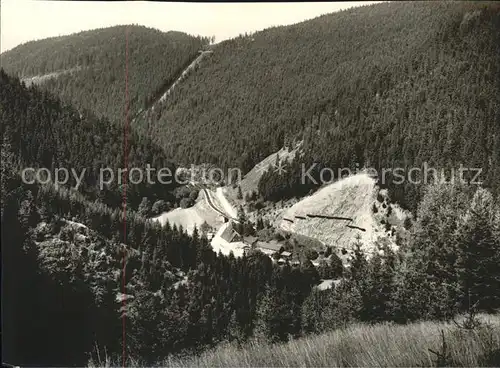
x,y
26,20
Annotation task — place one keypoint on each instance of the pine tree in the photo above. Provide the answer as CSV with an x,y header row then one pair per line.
x,y
235,332
358,265
145,207
316,312
435,246
336,266
274,317
242,221
479,256
379,291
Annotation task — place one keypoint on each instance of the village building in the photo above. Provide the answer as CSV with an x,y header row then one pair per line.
x,y
230,235
270,247
250,240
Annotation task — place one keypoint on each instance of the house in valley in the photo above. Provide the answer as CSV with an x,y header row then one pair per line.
x,y
230,234
270,247
250,240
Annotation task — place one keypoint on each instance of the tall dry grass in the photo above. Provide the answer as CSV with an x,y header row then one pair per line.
x,y
382,345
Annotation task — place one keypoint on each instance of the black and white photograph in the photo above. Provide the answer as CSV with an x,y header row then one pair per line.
x,y
250,184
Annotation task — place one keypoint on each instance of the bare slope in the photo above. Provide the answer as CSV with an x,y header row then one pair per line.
x,y
350,201
40,79
196,215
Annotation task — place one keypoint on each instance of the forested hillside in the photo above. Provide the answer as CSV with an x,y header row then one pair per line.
x,y
70,260
65,257
67,288
96,69
47,133
388,85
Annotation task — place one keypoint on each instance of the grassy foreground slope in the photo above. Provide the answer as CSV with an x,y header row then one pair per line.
x,y
381,345
381,85
89,67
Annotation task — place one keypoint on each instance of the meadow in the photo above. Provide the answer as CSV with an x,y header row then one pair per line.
x,y
422,344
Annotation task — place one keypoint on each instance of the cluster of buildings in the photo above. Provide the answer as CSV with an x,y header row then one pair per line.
x,y
272,248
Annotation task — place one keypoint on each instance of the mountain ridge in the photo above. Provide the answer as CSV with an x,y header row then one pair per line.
x,y
98,84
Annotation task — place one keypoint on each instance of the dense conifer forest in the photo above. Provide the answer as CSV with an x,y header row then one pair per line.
x,y
389,85
182,298
383,86
47,133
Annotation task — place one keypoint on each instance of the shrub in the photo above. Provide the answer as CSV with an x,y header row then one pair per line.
x,y
159,207
380,198
186,203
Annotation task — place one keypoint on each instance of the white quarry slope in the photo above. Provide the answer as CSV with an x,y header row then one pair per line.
x,y
352,197
223,203
196,215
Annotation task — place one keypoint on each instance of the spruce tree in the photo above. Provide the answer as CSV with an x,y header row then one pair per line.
x,y
479,256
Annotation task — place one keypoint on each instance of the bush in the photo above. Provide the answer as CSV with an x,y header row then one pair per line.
x,y
186,203
193,195
336,266
380,198
408,223
144,207
278,237
259,205
160,206
328,251
311,254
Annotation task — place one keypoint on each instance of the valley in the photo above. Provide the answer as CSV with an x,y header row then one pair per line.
x,y
285,237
